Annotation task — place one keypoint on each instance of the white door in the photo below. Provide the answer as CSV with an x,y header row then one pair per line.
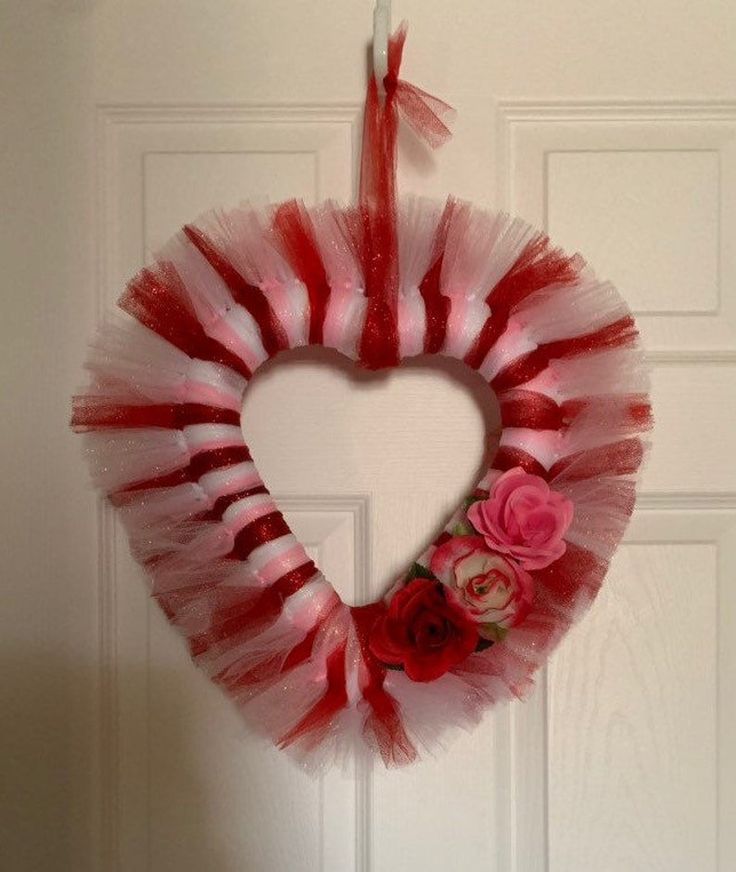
x,y
613,124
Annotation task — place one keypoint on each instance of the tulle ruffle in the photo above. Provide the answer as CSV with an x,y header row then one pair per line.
x,y
558,348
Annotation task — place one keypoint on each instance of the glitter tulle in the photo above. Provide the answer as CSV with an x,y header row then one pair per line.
x,y
380,282
163,442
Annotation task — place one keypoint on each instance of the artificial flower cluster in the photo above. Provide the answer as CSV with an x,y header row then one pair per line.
x,y
479,582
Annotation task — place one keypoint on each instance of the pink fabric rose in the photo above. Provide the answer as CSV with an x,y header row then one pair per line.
x,y
524,518
493,589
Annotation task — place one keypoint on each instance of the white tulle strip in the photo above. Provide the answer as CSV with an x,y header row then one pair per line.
x,y
230,479
214,384
481,247
247,510
124,351
221,317
417,224
193,543
616,371
239,234
514,342
602,511
619,371
430,709
543,445
602,421
466,320
121,458
337,249
233,658
140,510
175,575
131,363
274,559
245,238
412,323
281,704
344,321
564,311
290,304
207,437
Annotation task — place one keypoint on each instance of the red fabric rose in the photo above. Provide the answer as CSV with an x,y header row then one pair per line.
x,y
426,630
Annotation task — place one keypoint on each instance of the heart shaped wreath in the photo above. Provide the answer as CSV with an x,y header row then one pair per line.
x,y
482,607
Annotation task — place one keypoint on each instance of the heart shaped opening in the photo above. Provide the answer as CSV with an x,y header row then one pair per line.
x,y
410,442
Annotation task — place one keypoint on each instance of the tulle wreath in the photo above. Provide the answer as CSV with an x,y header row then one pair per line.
x,y
519,561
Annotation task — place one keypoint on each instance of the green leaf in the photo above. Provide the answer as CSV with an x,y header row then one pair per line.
x,y
464,528
493,632
419,571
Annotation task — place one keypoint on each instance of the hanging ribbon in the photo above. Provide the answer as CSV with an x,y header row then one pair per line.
x,y
379,343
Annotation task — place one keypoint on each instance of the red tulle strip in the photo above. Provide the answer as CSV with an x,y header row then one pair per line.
x,y
222,503
531,410
208,461
250,617
508,456
198,466
93,413
537,267
270,670
315,724
436,305
294,229
619,334
619,458
302,652
640,413
383,725
378,246
562,580
157,301
265,529
379,342
443,537
423,112
633,410
249,296
264,673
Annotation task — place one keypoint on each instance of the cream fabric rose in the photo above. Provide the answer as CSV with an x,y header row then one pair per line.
x,y
493,589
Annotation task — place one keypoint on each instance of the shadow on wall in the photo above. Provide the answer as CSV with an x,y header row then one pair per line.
x,y
197,790
186,788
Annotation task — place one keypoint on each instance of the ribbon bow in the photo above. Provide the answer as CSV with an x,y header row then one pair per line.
x,y
422,111
377,198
